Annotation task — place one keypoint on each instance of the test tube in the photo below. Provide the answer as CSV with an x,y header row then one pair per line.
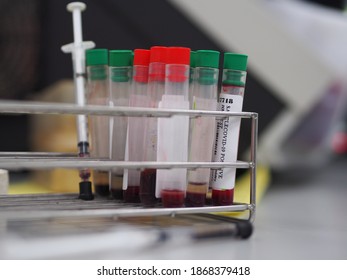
x,y
192,75
173,132
98,94
120,71
136,125
202,129
155,90
227,131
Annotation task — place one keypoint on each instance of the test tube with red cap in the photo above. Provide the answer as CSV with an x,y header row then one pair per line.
x,y
136,125
155,91
173,132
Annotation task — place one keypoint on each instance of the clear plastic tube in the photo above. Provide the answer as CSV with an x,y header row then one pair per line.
x,y
202,134
98,94
120,71
192,76
227,134
173,132
136,125
155,90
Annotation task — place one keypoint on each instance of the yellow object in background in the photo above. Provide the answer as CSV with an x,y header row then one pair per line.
x,y
55,133
242,188
27,187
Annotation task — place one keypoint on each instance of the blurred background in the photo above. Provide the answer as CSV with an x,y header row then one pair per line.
x,y
296,76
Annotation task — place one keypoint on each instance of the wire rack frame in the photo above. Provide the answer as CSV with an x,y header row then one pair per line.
x,y
42,160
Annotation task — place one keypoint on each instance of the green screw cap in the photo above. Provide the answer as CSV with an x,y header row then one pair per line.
x,y
208,76
120,61
208,62
98,72
119,58
192,59
235,66
235,61
97,57
207,58
192,65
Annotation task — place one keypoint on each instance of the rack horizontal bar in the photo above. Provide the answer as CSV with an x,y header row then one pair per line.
x,y
25,107
11,163
35,209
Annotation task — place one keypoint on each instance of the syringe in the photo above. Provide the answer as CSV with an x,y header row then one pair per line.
x,y
77,49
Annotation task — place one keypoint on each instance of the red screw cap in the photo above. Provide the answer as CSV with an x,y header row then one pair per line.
x,y
179,59
141,62
158,54
178,55
141,57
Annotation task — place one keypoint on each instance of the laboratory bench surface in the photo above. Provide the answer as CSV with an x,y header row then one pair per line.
x,y
301,220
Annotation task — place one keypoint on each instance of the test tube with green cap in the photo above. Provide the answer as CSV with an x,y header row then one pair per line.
x,y
227,133
202,129
120,69
98,94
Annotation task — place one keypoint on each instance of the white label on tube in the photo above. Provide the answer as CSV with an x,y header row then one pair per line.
x,y
227,139
126,158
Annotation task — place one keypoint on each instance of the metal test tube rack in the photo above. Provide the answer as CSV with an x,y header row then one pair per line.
x,y
41,160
